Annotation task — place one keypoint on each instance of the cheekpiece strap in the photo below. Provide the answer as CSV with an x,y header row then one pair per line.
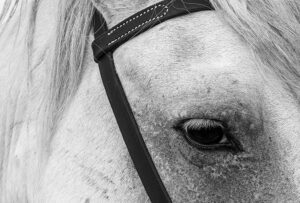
x,y
106,41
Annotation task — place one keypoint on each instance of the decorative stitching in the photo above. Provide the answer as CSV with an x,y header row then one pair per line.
x,y
135,17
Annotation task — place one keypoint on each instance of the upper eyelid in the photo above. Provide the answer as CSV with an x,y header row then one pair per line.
x,y
226,113
180,122
205,123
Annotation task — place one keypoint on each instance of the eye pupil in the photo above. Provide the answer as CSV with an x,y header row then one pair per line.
x,y
206,136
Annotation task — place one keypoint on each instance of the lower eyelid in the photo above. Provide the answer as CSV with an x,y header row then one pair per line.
x,y
199,158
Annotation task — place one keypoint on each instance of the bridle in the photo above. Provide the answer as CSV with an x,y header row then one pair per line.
x,y
106,41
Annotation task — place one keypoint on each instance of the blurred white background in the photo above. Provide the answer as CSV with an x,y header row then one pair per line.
x,y
1,4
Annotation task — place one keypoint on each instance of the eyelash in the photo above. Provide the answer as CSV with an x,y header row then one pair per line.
x,y
195,130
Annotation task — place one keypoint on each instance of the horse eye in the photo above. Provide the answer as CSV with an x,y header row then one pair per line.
x,y
204,133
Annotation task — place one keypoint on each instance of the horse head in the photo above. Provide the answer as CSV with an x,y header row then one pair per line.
x,y
215,95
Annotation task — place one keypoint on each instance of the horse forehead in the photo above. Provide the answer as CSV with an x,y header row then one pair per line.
x,y
177,43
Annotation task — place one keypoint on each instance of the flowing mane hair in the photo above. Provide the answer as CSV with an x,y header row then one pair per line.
x,y
75,19
270,28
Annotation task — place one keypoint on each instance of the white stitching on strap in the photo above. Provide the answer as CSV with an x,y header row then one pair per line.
x,y
135,17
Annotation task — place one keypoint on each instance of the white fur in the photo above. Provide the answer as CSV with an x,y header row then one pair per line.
x,y
186,67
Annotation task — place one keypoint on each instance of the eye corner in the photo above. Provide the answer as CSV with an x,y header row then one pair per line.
x,y
235,143
178,124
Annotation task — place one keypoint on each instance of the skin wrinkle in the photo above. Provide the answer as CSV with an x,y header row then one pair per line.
x,y
100,175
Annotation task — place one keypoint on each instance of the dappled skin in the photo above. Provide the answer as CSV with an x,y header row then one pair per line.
x,y
207,72
192,67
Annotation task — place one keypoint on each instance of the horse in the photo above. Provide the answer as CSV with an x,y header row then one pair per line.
x,y
215,95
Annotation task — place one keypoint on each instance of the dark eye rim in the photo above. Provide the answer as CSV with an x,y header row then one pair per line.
x,y
231,145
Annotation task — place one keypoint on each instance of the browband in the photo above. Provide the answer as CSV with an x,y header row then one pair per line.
x,y
106,41
142,21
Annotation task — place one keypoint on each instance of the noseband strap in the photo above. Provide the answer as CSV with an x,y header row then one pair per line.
x,y
106,41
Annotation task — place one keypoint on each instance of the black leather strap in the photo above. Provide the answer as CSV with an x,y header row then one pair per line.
x,y
128,126
142,21
106,41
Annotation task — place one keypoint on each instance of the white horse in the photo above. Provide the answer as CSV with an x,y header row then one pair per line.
x,y
237,67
